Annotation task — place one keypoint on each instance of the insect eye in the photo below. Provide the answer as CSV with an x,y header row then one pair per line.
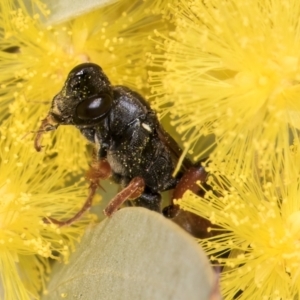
x,y
94,107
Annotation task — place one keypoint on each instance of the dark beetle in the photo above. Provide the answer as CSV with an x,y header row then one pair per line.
x,y
131,147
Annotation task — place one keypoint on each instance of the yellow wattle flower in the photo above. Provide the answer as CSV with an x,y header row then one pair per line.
x,y
29,192
232,70
259,213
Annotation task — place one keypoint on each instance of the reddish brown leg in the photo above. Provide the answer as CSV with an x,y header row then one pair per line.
x,y
86,206
134,189
192,223
99,170
187,182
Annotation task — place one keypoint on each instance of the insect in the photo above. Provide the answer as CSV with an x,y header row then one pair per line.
x,y
131,147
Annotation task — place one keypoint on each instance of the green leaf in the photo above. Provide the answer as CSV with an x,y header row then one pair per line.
x,y
64,10
135,254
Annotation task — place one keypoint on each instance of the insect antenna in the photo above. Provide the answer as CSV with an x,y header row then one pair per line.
x,y
45,126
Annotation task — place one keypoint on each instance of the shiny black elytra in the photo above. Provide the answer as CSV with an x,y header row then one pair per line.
x,y
131,147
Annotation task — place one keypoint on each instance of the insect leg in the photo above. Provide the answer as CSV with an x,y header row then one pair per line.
x,y
99,169
192,223
86,206
134,189
187,182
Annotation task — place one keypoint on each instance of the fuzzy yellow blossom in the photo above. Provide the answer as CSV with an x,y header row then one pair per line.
x,y
35,60
29,193
260,216
232,69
